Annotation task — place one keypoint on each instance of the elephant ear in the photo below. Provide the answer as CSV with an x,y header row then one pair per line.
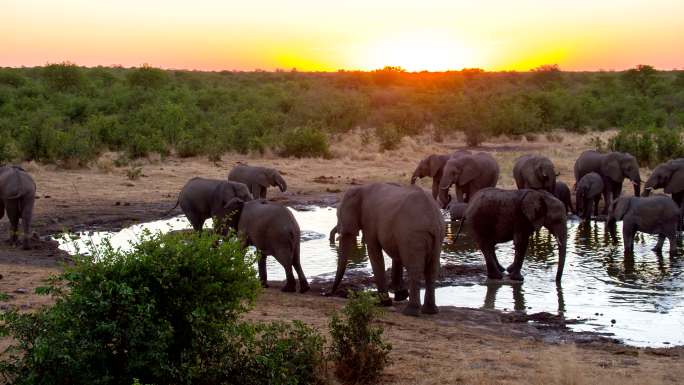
x,y
469,171
534,208
620,207
263,178
349,212
436,164
611,168
236,189
676,182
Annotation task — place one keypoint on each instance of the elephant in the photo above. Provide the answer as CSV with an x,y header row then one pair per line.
x,y
17,197
433,166
562,192
469,173
613,167
257,179
657,214
535,172
457,210
497,215
670,177
273,230
406,223
203,198
587,195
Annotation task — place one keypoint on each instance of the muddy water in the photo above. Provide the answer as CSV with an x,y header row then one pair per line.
x,y
639,300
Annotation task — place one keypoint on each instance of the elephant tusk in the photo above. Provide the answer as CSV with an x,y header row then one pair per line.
x,y
444,188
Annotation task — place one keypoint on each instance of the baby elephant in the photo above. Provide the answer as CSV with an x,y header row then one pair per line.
x,y
273,230
257,179
656,214
588,194
562,192
203,198
17,196
457,210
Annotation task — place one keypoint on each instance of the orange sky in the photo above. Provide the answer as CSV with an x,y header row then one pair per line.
x,y
344,34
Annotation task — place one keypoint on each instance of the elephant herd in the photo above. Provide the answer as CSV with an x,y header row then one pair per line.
x,y
406,222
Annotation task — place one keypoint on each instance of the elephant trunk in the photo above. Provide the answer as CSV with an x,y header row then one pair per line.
x,y
561,235
637,188
281,183
346,243
414,177
444,186
647,191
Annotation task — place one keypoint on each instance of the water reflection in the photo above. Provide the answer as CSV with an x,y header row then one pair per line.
x,y
643,292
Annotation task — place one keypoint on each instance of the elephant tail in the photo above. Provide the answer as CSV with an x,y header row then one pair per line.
x,y
172,208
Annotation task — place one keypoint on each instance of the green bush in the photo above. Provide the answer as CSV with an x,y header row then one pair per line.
x,y
305,142
358,349
64,76
388,136
158,313
651,146
147,77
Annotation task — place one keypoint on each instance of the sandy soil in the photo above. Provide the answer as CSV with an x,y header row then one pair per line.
x,y
469,346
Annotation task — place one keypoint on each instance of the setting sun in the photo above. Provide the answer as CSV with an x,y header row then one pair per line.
x,y
416,52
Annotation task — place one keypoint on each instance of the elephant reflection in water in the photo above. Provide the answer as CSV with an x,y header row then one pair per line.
x,y
518,296
358,257
590,235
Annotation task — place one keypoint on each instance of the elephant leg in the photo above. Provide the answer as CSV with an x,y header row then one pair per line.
x,y
488,250
520,242
196,222
672,240
262,271
378,265
459,194
659,245
628,233
400,292
284,257
262,192
26,217
296,262
429,304
678,199
607,198
13,213
2,208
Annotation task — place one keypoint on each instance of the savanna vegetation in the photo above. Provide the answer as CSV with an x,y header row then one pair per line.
x,y
170,312
69,114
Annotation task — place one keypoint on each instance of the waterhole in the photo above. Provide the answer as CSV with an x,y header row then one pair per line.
x,y
639,300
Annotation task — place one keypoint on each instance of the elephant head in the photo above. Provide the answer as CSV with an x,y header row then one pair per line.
x,y
348,226
669,176
272,178
224,196
459,171
541,173
618,208
233,212
618,165
543,209
430,166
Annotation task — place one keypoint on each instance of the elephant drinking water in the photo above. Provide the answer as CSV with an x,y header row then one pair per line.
x,y
613,167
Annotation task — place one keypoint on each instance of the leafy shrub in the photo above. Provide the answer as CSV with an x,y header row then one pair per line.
x,y
388,136
303,142
159,313
271,353
358,349
650,146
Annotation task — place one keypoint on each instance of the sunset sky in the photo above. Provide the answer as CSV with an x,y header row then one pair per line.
x,y
330,35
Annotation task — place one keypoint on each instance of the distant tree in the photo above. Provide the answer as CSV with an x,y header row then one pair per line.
x,y
147,77
547,74
65,76
640,78
389,75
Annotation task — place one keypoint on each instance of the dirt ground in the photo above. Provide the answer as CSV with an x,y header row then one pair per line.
x,y
469,346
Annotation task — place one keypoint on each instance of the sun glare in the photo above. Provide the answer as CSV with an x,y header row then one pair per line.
x,y
416,52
